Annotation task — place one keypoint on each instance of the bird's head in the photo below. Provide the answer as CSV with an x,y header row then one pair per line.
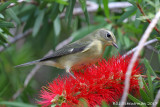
x,y
107,37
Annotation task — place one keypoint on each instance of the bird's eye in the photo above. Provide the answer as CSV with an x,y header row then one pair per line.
x,y
108,35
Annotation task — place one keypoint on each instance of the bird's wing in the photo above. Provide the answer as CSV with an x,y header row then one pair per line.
x,y
66,50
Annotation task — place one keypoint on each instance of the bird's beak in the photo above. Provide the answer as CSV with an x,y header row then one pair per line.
x,y
115,45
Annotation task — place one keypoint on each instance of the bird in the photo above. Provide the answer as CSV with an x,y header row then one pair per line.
x,y
85,51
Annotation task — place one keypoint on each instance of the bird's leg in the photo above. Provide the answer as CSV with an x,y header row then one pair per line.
x,y
68,71
72,75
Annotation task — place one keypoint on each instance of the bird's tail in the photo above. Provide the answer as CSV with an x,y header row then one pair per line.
x,y
28,63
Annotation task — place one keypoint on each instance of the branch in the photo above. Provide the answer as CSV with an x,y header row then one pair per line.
x,y
15,39
135,56
22,1
141,10
157,98
145,76
153,49
93,7
134,49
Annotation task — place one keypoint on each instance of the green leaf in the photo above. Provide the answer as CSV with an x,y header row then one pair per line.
x,y
150,2
84,31
43,5
1,16
1,43
157,2
57,26
56,29
83,4
2,38
158,48
137,22
145,97
106,9
6,31
26,11
140,82
127,41
69,11
4,89
135,100
104,104
61,7
87,16
120,36
38,23
139,1
6,24
146,88
149,68
15,104
158,105
53,105
4,6
149,71
132,2
83,102
30,21
64,2
127,14
158,38
107,52
12,14
55,11
84,8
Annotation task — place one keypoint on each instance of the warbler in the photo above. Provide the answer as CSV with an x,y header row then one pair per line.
x,y
79,53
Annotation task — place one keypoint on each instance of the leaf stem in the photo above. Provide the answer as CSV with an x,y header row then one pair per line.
x,y
149,21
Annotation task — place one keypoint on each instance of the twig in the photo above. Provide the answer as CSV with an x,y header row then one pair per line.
x,y
145,76
152,48
141,10
22,1
135,56
15,39
156,100
134,49
20,90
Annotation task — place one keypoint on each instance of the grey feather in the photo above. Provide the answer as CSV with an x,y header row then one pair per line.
x,y
28,63
66,50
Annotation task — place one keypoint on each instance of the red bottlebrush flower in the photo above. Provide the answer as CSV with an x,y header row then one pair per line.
x,y
94,83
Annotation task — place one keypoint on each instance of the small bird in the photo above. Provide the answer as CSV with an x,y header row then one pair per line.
x,y
79,53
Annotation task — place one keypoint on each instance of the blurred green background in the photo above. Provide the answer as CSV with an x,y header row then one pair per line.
x,y
29,29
